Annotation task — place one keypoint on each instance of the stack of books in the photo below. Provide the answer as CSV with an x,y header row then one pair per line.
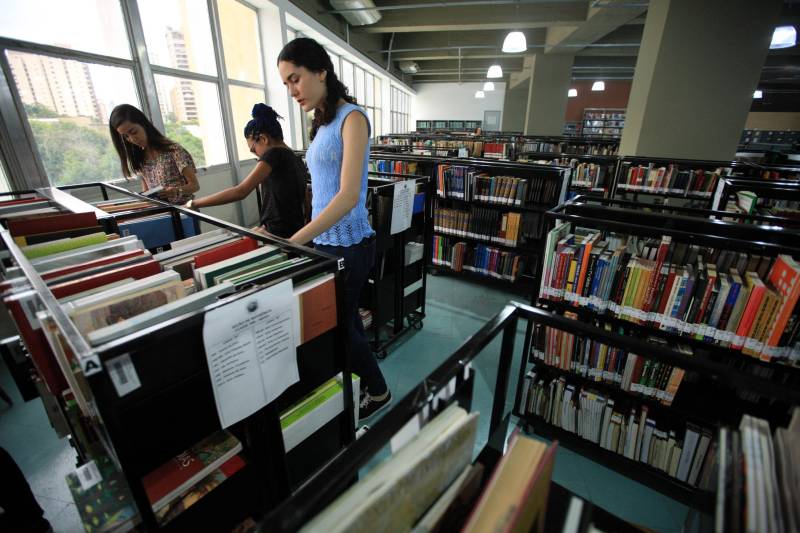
x,y
366,317
465,183
632,433
479,259
671,179
483,224
393,167
745,302
154,229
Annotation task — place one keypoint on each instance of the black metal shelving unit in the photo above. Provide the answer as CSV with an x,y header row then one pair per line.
x,y
573,161
174,406
766,191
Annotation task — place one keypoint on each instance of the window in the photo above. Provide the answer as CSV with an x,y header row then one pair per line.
x,y
400,108
336,67
243,65
178,37
240,42
66,24
347,76
359,86
192,117
67,104
5,184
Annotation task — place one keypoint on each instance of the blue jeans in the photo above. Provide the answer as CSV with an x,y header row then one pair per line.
x,y
358,261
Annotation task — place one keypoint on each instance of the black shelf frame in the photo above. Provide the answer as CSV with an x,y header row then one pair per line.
x,y
772,190
181,394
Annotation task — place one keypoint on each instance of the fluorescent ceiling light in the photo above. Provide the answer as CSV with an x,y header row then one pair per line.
x,y
572,92
495,72
783,37
488,86
480,94
758,94
514,43
599,86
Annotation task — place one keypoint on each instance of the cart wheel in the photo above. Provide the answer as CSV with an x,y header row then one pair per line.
x,y
418,325
381,354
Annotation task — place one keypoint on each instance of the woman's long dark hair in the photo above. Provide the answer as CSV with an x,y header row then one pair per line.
x,y
131,157
308,53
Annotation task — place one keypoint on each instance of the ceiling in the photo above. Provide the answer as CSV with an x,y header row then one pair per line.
x,y
457,41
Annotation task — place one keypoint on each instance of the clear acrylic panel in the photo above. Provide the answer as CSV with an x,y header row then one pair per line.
x,y
178,34
192,118
240,43
87,25
68,103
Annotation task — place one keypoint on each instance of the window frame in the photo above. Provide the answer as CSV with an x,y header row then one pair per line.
x,y
143,74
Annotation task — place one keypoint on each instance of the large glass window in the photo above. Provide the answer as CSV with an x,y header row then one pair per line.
x,y
242,101
347,76
240,42
192,117
400,110
87,25
178,34
359,86
67,104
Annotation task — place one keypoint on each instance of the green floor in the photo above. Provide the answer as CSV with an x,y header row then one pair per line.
x,y
455,310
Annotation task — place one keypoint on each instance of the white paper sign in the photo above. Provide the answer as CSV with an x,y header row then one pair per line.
x,y
250,349
88,475
123,374
403,205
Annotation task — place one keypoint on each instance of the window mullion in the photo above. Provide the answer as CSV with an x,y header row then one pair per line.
x,y
143,72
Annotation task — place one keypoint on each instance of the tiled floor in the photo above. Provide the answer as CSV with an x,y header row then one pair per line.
x,y
455,310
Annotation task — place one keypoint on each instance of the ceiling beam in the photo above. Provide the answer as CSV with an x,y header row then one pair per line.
x,y
599,22
473,18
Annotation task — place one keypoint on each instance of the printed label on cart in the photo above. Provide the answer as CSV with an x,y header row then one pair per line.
x,y
123,374
88,475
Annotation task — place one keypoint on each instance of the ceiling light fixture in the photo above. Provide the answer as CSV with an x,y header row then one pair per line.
x,y
599,86
515,43
480,94
495,71
572,93
758,94
783,37
488,86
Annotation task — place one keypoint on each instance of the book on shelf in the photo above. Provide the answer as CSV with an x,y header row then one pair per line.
x,y
35,251
21,225
479,223
84,254
450,509
393,167
156,230
746,302
225,251
631,432
477,258
314,308
40,238
173,478
596,361
102,497
397,492
136,271
206,276
515,498
153,191
92,264
466,183
670,179
319,407
756,477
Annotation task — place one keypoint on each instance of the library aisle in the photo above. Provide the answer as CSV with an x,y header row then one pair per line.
x,y
455,310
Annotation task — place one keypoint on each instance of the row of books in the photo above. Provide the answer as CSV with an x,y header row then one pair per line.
x,y
679,288
670,179
756,481
479,259
568,147
594,360
103,497
633,434
479,223
393,167
466,183
429,484
592,176
474,148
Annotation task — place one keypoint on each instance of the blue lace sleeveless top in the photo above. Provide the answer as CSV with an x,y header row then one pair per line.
x,y
324,160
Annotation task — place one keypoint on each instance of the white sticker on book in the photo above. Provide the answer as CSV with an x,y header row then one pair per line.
x,y
88,475
123,374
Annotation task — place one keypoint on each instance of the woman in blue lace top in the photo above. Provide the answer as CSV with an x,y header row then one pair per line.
x,y
337,159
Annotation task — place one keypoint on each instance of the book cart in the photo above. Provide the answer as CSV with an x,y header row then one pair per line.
x,y
720,383
174,405
451,382
699,191
483,242
397,285
590,175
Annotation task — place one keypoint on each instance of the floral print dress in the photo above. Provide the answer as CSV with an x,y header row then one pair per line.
x,y
166,170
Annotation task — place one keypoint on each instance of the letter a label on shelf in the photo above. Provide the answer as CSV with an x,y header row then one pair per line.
x,y
250,350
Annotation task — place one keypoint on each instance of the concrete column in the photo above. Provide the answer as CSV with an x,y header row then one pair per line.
x,y
551,76
698,66
514,107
